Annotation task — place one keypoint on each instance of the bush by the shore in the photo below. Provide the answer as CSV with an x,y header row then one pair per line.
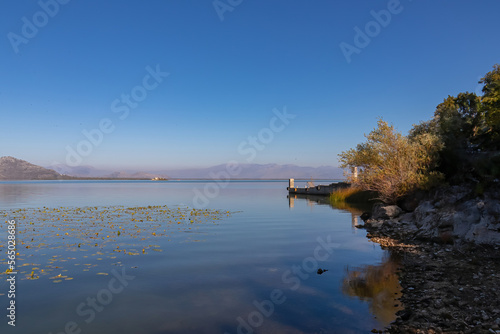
x,y
459,145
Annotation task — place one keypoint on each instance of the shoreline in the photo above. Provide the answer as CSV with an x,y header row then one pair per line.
x,y
445,288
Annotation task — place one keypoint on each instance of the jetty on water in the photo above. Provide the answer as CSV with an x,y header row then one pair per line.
x,y
311,189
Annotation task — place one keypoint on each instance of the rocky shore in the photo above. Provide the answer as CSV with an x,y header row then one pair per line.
x,y
449,243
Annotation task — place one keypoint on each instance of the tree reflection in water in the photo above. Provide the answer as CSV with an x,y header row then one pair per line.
x,y
378,285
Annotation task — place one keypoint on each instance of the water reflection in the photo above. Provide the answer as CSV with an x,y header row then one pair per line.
x,y
11,193
378,285
199,287
312,200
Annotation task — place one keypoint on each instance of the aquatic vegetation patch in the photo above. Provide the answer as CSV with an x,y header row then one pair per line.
x,y
54,242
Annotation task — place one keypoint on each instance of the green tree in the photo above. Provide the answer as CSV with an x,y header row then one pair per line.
x,y
391,164
460,121
490,102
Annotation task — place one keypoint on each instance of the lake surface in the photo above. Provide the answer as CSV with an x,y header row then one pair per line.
x,y
189,257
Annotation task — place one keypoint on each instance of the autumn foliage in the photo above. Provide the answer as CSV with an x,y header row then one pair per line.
x,y
392,164
459,144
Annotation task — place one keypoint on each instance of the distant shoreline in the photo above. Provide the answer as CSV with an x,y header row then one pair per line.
x,y
74,178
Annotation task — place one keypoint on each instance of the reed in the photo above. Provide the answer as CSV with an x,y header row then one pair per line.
x,y
353,198
341,195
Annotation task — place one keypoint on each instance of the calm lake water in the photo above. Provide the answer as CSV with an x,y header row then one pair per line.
x,y
189,257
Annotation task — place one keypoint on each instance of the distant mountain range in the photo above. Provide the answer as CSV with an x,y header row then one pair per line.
x,y
16,169
91,172
245,171
259,171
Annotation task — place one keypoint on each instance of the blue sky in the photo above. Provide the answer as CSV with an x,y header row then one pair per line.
x,y
227,76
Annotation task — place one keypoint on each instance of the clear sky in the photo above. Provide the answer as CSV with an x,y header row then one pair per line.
x,y
73,66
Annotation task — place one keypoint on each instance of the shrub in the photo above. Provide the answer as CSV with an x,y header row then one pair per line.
x,y
391,164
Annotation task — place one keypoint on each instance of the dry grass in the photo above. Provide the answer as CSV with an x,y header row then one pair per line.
x,y
353,198
340,195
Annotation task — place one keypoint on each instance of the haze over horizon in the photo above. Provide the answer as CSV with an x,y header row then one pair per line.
x,y
156,85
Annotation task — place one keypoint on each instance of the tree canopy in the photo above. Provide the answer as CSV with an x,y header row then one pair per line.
x,y
490,102
460,143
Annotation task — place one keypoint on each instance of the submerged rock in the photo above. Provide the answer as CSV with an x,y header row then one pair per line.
x,y
321,271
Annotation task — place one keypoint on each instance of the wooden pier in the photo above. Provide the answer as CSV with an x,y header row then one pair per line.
x,y
322,190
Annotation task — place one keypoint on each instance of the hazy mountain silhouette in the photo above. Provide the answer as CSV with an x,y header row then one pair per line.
x,y
244,171
17,169
258,171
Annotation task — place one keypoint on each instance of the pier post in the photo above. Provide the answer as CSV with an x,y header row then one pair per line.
x,y
291,183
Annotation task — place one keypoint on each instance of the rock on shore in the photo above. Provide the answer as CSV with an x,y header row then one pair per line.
x,y
450,215
450,270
